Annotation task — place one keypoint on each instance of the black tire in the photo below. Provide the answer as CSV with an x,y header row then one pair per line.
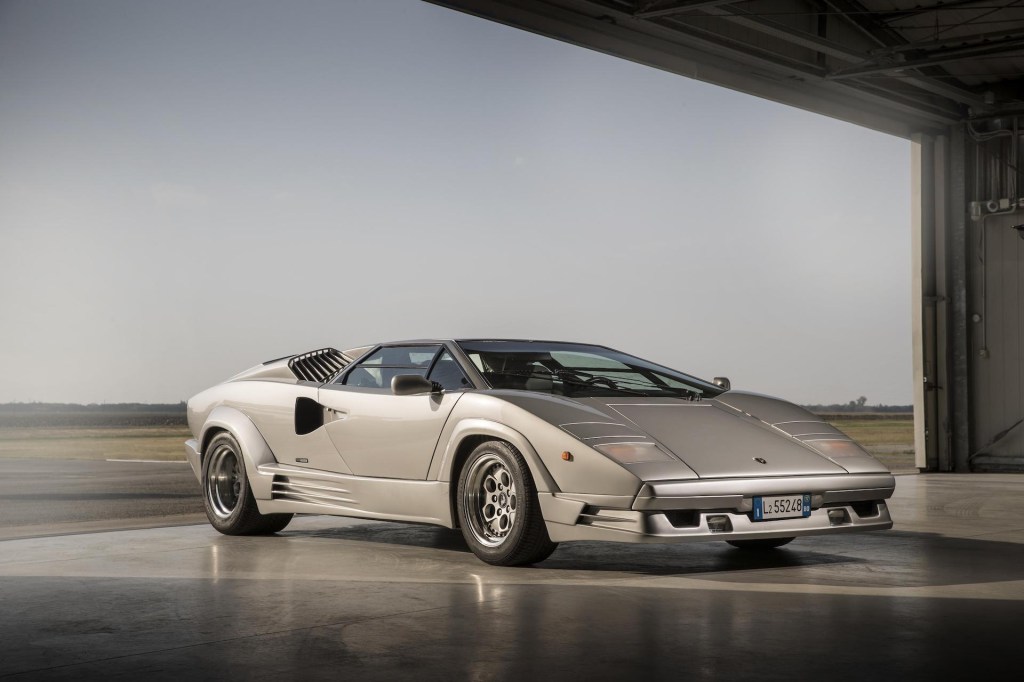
x,y
512,532
227,496
767,543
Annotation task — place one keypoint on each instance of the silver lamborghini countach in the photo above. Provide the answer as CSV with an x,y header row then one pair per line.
x,y
522,445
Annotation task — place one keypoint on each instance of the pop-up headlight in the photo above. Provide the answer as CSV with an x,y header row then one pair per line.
x,y
634,453
838,448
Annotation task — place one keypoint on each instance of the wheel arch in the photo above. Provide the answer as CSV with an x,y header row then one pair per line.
x,y
255,450
472,432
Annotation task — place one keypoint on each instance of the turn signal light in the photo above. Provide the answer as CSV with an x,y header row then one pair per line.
x,y
837,448
567,456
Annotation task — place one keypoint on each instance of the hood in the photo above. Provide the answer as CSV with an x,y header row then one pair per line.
x,y
719,438
716,440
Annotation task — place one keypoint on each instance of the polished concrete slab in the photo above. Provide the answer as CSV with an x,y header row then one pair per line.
x,y
941,596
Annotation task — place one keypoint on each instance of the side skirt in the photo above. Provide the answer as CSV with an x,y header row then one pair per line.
x,y
297,490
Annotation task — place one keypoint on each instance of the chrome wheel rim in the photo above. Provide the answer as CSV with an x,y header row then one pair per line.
x,y
223,481
491,500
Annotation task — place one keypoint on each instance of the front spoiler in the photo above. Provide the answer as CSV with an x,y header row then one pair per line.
x,y
738,493
655,527
678,511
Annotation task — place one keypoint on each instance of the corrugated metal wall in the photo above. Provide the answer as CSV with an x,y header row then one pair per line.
x,y
968,225
995,264
997,343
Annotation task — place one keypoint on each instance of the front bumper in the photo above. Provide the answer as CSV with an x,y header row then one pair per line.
x,y
192,455
709,510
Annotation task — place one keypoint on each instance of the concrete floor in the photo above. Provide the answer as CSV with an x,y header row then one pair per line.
x,y
940,597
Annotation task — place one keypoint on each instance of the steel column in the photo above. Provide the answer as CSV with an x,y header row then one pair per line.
x,y
930,272
960,348
939,424
922,255
919,145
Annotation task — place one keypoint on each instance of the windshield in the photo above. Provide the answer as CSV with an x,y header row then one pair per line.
x,y
579,370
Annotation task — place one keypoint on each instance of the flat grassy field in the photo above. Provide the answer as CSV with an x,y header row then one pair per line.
x,y
891,440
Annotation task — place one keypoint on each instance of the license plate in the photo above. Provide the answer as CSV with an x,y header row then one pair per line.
x,y
781,507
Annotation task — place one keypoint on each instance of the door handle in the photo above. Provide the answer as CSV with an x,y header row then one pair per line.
x,y
335,415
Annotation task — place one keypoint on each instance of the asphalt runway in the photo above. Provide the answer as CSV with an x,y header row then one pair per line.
x,y
41,497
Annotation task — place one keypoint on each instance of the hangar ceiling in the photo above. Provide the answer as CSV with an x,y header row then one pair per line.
x,y
900,66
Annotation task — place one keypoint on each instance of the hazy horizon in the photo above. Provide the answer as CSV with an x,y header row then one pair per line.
x,y
188,189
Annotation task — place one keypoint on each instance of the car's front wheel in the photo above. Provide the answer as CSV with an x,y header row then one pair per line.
x,y
498,509
767,543
229,502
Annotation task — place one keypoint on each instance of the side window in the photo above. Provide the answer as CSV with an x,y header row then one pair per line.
x,y
377,370
364,377
448,373
402,356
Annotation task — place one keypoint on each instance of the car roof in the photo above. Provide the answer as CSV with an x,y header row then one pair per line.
x,y
484,340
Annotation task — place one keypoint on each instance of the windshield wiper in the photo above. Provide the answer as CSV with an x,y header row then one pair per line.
x,y
682,392
602,381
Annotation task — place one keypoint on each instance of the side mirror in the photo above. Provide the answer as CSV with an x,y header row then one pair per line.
x,y
723,383
411,384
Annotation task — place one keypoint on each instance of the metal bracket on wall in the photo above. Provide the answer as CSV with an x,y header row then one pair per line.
x,y
983,209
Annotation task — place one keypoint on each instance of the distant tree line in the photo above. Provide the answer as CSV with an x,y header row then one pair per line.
x,y
108,415
859,405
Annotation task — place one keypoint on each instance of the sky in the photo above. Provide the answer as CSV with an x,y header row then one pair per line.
x,y
190,188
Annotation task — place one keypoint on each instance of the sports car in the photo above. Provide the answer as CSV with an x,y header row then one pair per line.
x,y
522,445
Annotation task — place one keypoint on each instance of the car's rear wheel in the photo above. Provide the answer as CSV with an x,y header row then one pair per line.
x,y
498,509
228,499
767,543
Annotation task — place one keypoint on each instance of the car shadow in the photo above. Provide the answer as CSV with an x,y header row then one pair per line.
x,y
679,559
409,535
691,559
877,559
896,559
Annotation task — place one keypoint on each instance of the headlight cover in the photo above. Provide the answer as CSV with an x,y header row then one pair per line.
x,y
634,453
838,448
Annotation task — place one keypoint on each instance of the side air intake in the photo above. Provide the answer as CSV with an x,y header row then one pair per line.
x,y
317,365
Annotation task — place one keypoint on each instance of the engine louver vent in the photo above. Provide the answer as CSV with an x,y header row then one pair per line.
x,y
317,365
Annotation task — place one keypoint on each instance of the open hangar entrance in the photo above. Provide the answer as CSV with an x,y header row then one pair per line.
x,y
947,75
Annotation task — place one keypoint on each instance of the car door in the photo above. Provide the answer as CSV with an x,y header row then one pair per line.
x,y
383,435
